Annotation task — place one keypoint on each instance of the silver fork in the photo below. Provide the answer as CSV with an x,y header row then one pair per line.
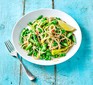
x,y
12,51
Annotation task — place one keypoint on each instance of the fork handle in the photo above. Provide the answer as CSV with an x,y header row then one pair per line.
x,y
29,74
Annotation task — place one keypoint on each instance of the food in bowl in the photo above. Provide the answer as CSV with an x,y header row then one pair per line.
x,y
47,38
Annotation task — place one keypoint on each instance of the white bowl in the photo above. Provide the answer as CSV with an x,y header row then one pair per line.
x,y
46,12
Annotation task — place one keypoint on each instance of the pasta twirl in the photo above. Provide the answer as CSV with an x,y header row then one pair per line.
x,y
47,38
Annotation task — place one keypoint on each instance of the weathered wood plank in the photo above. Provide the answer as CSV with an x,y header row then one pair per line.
x,y
10,12
37,4
79,69
44,74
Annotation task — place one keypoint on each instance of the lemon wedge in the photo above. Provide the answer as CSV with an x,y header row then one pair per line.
x,y
66,26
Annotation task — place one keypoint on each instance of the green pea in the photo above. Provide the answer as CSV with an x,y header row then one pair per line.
x,y
57,30
62,54
63,31
41,16
55,43
48,53
55,56
49,58
46,58
34,53
41,57
44,55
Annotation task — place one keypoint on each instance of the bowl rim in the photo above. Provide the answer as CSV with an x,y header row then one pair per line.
x,y
43,60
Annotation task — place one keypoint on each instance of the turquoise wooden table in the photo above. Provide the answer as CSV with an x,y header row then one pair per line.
x,y
76,71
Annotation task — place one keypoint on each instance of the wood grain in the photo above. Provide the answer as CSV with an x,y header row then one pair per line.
x,y
23,13
76,71
79,69
10,12
44,74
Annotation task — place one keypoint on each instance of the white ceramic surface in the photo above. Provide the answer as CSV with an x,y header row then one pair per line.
x,y
45,12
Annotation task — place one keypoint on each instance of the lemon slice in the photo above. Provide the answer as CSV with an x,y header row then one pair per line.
x,y
66,26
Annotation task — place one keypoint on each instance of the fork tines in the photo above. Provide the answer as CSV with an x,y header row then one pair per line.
x,y
9,45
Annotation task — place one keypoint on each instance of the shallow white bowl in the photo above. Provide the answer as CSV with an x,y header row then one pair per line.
x,y
46,12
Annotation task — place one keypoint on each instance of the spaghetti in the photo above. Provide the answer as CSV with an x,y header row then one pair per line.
x,y
47,38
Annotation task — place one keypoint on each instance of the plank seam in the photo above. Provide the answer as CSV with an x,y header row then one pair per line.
x,y
55,74
24,7
20,73
54,65
23,2
52,4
